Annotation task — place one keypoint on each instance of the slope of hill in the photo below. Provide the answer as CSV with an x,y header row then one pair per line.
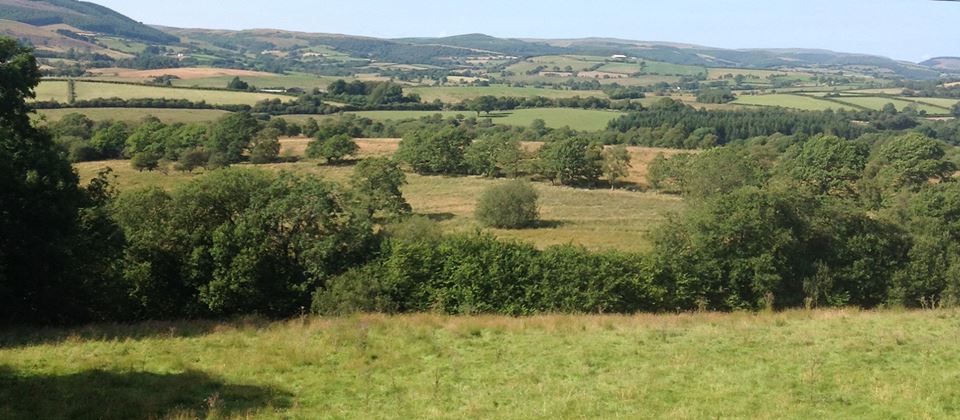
x,y
513,47
949,64
83,15
48,39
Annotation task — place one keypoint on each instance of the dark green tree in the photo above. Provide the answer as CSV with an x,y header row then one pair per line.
x,y
377,183
230,136
237,84
494,156
333,149
47,267
571,161
265,147
826,165
435,151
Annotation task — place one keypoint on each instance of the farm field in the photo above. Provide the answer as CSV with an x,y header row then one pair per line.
x,y
166,115
596,219
575,118
788,101
877,103
456,94
797,364
57,91
716,73
940,102
301,80
653,67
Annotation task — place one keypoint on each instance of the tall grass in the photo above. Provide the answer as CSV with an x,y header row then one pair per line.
x,y
837,364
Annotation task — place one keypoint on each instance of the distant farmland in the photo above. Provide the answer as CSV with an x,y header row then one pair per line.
x,y
789,101
456,94
57,91
166,115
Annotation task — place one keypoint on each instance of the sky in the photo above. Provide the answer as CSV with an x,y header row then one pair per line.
x,y
912,30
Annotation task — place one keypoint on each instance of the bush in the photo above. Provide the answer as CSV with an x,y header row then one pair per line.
x,y
333,149
362,289
145,161
192,159
512,205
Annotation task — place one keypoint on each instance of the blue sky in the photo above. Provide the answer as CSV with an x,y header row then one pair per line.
x,y
904,29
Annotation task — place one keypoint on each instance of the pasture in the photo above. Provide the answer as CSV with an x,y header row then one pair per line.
x,y
596,219
878,102
575,118
653,67
801,102
797,364
52,90
457,94
166,115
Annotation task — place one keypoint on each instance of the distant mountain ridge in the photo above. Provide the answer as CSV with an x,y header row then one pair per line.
x,y
429,50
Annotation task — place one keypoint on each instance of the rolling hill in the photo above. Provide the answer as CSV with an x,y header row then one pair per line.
x,y
57,22
82,15
947,64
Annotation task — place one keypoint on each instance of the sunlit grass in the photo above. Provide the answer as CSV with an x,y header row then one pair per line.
x,y
836,364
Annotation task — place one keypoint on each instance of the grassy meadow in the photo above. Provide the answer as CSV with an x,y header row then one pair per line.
x,y
596,219
167,115
575,118
798,364
877,103
50,90
789,101
457,94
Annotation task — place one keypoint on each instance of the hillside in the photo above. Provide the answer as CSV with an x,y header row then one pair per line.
x,y
82,15
948,64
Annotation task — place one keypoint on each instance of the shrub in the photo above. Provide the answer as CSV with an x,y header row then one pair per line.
x,y
192,159
333,149
362,289
145,161
512,205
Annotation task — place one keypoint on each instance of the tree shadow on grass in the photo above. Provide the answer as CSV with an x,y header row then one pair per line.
x,y
439,217
100,394
548,224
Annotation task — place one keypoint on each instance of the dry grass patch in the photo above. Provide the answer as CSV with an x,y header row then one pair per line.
x,y
183,73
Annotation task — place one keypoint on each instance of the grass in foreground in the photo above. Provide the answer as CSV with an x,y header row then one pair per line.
x,y
836,364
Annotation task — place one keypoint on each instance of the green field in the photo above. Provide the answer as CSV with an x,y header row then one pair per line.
x,y
877,103
136,114
820,364
560,61
456,94
751,74
57,91
788,101
653,67
577,119
945,103
300,80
